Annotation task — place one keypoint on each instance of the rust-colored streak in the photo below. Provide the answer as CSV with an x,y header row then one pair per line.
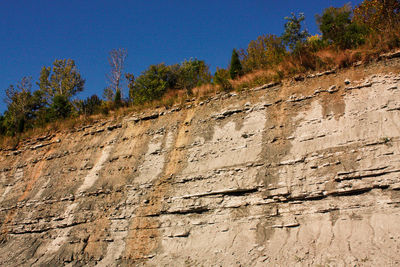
x,y
36,173
143,236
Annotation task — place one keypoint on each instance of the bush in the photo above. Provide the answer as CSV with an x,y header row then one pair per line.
x,y
151,84
90,105
221,78
337,28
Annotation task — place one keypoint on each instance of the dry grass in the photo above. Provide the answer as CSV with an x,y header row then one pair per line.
x,y
255,78
205,90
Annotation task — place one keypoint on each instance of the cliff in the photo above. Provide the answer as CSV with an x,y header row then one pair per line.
x,y
301,173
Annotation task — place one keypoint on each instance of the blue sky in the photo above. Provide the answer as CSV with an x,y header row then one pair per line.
x,y
34,33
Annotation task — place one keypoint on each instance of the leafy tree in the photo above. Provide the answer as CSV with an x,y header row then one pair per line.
x,y
267,51
62,79
21,106
116,60
189,74
336,27
151,84
221,78
379,15
294,36
235,69
315,43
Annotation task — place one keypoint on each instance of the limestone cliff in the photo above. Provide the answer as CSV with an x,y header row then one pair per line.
x,y
300,173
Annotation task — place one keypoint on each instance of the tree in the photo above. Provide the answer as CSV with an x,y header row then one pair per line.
x,y
131,85
63,79
151,84
116,59
294,36
267,51
379,15
336,27
235,69
90,105
60,107
22,106
221,78
189,74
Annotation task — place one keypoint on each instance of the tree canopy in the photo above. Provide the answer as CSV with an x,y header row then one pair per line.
x,y
62,79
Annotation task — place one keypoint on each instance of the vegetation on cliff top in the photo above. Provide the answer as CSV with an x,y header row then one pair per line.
x,y
347,35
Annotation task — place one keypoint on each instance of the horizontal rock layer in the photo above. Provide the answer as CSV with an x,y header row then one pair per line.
x,y
306,172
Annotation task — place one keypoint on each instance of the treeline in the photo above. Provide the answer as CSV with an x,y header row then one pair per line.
x,y
346,35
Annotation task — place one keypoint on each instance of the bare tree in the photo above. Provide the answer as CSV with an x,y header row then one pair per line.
x,y
116,60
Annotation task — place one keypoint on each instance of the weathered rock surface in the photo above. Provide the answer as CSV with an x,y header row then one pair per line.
x,y
306,173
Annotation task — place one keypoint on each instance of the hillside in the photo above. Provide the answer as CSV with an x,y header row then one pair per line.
x,y
295,173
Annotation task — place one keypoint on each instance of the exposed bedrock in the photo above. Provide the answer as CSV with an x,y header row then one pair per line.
x,y
299,173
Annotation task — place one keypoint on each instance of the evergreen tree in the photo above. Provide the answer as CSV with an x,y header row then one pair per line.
x,y
118,99
235,69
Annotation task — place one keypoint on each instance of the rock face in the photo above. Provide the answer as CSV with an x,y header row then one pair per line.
x,y
301,173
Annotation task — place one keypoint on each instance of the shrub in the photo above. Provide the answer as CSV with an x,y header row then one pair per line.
x,y
221,78
337,28
267,51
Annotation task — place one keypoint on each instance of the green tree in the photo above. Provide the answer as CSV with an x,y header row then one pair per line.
x,y
235,69
62,79
118,99
151,84
130,78
22,106
189,74
221,78
336,27
60,107
294,36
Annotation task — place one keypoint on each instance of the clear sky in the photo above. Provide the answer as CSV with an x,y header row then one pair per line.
x,y
35,32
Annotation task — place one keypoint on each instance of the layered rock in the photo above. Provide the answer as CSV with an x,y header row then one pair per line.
x,y
301,173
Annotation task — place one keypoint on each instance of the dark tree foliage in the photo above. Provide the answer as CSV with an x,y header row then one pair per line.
x,y
22,107
118,99
60,108
221,78
157,79
130,78
235,69
90,105
151,84
337,28
191,73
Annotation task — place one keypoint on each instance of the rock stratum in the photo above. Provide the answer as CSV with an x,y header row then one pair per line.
x,y
301,173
